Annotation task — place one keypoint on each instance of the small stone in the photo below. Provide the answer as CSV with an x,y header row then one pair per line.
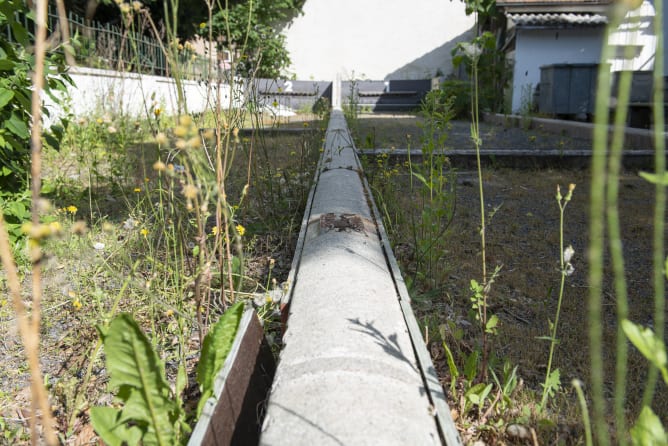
x,y
518,431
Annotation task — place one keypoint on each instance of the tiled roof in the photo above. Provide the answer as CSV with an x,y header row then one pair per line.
x,y
527,19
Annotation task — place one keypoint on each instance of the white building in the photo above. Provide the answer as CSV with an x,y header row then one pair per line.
x,y
550,32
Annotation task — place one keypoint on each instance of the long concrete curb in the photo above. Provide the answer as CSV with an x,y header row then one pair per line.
x,y
354,369
635,138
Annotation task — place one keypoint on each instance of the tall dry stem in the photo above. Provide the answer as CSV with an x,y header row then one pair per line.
x,y
30,329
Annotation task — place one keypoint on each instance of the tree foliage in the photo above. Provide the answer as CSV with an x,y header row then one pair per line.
x,y
16,68
251,29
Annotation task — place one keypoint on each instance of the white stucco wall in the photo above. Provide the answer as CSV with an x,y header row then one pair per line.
x,y
376,39
103,91
538,47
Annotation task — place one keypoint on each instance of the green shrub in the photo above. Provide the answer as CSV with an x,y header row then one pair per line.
x,y
453,95
16,67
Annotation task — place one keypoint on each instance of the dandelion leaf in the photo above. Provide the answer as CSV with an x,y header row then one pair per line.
x,y
648,430
138,374
648,344
215,348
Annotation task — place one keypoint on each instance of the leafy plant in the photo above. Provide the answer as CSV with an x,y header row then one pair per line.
x,y
16,66
217,345
552,378
493,71
151,412
253,28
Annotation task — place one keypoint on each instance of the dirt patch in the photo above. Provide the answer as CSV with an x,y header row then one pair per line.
x,y
523,240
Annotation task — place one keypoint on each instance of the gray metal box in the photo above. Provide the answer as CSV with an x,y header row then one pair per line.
x,y
568,89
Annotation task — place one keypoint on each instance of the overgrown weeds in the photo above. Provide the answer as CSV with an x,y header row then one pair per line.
x,y
514,228
154,226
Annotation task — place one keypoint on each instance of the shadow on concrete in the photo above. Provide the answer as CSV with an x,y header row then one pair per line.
x,y
389,344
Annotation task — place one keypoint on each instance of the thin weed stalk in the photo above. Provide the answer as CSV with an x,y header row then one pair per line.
x,y
39,397
615,243
475,135
660,198
566,269
596,248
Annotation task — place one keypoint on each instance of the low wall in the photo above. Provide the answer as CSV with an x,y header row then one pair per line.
x,y
96,91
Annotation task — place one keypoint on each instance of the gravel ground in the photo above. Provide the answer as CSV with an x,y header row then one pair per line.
x,y
523,238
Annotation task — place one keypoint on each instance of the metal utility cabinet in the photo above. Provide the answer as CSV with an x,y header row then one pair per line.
x,y
568,89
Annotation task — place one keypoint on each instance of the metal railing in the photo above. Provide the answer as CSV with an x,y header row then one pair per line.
x,y
114,47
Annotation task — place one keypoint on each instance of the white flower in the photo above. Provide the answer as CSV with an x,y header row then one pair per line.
x,y
568,254
470,49
98,246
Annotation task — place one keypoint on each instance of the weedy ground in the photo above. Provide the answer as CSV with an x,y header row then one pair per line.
x,y
130,242
523,240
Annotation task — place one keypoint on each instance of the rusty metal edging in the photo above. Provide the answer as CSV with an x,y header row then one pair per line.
x,y
230,416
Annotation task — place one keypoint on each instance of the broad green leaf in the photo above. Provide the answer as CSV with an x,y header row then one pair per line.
x,y
471,366
492,322
215,348
552,383
421,178
478,393
138,374
17,126
454,372
648,430
106,423
5,96
655,179
6,65
648,344
181,381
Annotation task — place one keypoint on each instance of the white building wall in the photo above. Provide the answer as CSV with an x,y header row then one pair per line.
x,y
637,32
538,47
376,39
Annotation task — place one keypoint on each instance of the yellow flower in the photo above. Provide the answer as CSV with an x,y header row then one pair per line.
x,y
77,305
169,313
241,230
71,209
144,232
215,230
157,111
159,166
185,120
99,120
79,227
202,25
180,131
190,191
137,189
161,138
